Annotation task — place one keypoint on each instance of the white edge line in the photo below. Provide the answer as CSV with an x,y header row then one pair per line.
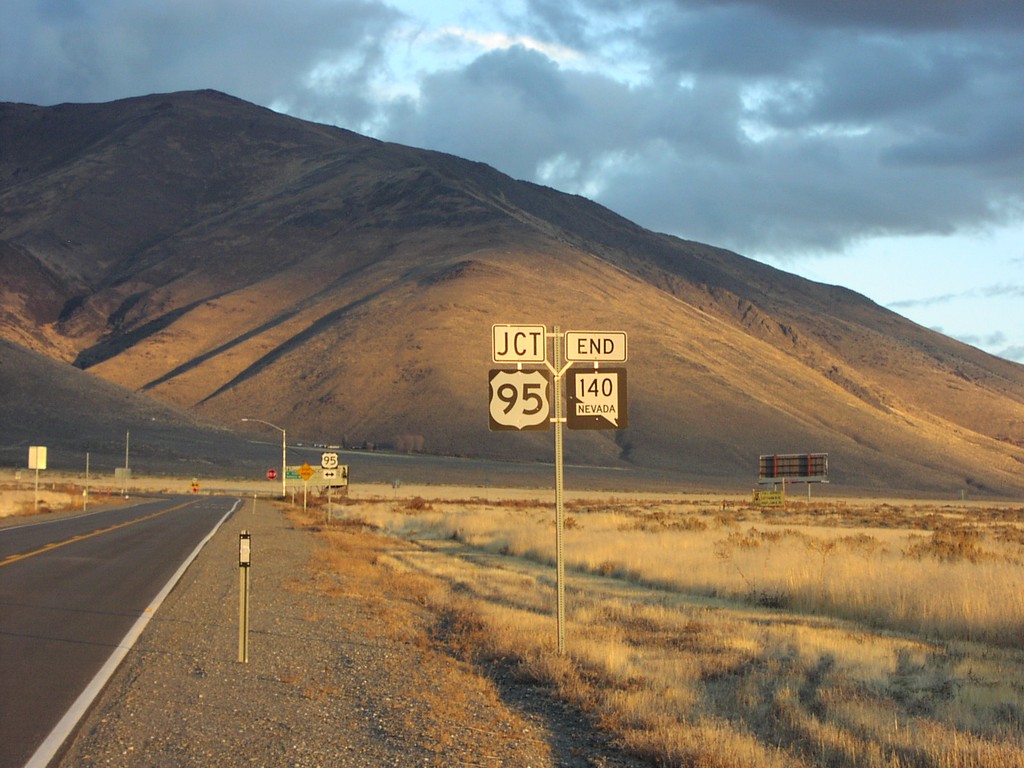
x,y
48,749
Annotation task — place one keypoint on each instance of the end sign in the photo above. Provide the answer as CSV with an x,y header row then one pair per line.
x,y
595,346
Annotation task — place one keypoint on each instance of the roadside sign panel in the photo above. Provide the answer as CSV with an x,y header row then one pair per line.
x,y
519,399
271,474
769,498
519,343
329,460
793,466
595,346
335,476
37,457
597,399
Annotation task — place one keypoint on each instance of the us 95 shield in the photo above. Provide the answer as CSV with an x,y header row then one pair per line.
x,y
519,399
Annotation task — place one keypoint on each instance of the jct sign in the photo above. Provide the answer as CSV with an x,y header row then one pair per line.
x,y
519,343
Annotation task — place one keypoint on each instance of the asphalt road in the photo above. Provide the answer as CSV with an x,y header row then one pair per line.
x,y
71,591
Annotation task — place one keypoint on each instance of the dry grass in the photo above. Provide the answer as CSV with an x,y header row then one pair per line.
x,y
19,499
359,565
703,636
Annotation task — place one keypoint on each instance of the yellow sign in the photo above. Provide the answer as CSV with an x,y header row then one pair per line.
x,y
306,472
769,498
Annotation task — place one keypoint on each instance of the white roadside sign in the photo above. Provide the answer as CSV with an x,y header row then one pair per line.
x,y
519,343
595,346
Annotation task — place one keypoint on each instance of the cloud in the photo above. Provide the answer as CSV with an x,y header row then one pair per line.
x,y
906,15
490,41
1015,353
999,291
761,126
767,126
260,50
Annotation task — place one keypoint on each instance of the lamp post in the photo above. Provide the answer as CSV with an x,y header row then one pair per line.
x,y
284,453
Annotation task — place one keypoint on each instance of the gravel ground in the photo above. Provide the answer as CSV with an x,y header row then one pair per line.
x,y
334,678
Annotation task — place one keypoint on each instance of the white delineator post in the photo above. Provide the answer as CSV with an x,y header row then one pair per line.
x,y
244,560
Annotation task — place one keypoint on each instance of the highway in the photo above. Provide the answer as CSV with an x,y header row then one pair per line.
x,y
74,593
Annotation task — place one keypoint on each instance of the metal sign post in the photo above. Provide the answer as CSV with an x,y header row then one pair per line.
x,y
559,500
244,559
329,472
305,472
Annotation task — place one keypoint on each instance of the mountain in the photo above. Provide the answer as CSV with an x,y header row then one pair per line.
x,y
47,402
231,261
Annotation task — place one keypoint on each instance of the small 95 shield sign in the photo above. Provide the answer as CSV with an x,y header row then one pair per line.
x,y
597,399
519,399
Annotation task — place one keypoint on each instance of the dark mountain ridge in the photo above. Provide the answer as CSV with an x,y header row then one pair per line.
x,y
231,260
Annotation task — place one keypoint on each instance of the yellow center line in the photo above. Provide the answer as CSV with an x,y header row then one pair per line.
x,y
81,537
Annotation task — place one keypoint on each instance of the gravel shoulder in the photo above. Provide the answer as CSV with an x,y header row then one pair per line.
x,y
345,669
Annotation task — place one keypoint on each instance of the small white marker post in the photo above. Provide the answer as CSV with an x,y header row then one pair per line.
x,y
37,461
244,557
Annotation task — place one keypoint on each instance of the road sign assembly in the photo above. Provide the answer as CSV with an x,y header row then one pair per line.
x,y
521,400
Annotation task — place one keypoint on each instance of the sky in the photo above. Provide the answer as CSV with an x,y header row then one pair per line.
x,y
875,144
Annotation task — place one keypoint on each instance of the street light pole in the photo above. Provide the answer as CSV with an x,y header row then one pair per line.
x,y
284,453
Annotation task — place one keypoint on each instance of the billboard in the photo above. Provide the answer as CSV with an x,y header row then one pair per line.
x,y
807,467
